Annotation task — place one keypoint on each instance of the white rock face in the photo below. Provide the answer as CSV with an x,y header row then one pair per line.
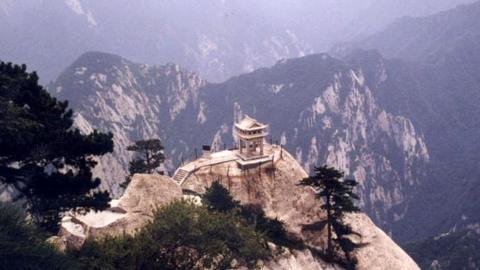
x,y
381,252
131,101
360,148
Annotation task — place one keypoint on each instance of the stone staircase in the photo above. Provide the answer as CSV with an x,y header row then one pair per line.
x,y
180,176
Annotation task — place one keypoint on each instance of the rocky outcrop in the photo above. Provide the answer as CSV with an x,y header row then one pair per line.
x,y
272,185
298,260
125,215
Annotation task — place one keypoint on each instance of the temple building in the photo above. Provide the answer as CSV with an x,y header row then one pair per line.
x,y
251,151
250,136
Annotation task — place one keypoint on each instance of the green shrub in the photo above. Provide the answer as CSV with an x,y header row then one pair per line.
x,y
218,198
180,236
23,246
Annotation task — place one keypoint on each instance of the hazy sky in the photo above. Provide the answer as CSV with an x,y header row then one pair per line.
x,y
218,38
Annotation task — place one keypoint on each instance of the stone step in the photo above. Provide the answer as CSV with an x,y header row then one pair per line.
x,y
180,176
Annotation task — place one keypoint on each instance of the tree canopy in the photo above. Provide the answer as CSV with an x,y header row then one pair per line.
x,y
218,198
41,154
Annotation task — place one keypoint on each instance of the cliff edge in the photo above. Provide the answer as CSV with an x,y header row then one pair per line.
x,y
271,184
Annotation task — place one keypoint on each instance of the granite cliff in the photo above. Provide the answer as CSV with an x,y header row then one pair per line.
x,y
273,186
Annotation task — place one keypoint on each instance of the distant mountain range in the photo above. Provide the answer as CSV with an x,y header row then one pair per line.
x,y
428,39
381,13
217,39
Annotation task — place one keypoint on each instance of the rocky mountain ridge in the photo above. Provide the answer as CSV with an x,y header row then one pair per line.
x,y
320,108
131,100
426,39
218,40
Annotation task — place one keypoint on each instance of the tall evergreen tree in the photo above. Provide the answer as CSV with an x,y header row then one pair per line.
x,y
150,156
339,199
47,160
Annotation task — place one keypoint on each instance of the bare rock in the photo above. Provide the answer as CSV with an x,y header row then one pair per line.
x,y
144,193
274,186
380,251
58,242
298,260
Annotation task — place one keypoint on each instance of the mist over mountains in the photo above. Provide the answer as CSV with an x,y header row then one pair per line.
x,y
395,104
217,39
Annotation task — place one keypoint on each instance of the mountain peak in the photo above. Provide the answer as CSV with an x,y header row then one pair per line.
x,y
98,58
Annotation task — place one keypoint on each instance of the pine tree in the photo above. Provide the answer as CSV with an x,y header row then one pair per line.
x,y
47,160
339,198
149,156
218,198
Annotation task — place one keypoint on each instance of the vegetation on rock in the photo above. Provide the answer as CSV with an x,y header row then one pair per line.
x,y
220,234
180,236
218,198
150,156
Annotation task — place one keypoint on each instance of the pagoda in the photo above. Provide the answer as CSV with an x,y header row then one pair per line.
x,y
250,135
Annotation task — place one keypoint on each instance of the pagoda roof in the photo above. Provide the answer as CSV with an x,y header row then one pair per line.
x,y
249,123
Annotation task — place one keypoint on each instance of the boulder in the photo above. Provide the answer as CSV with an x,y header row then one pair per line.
x,y
144,193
